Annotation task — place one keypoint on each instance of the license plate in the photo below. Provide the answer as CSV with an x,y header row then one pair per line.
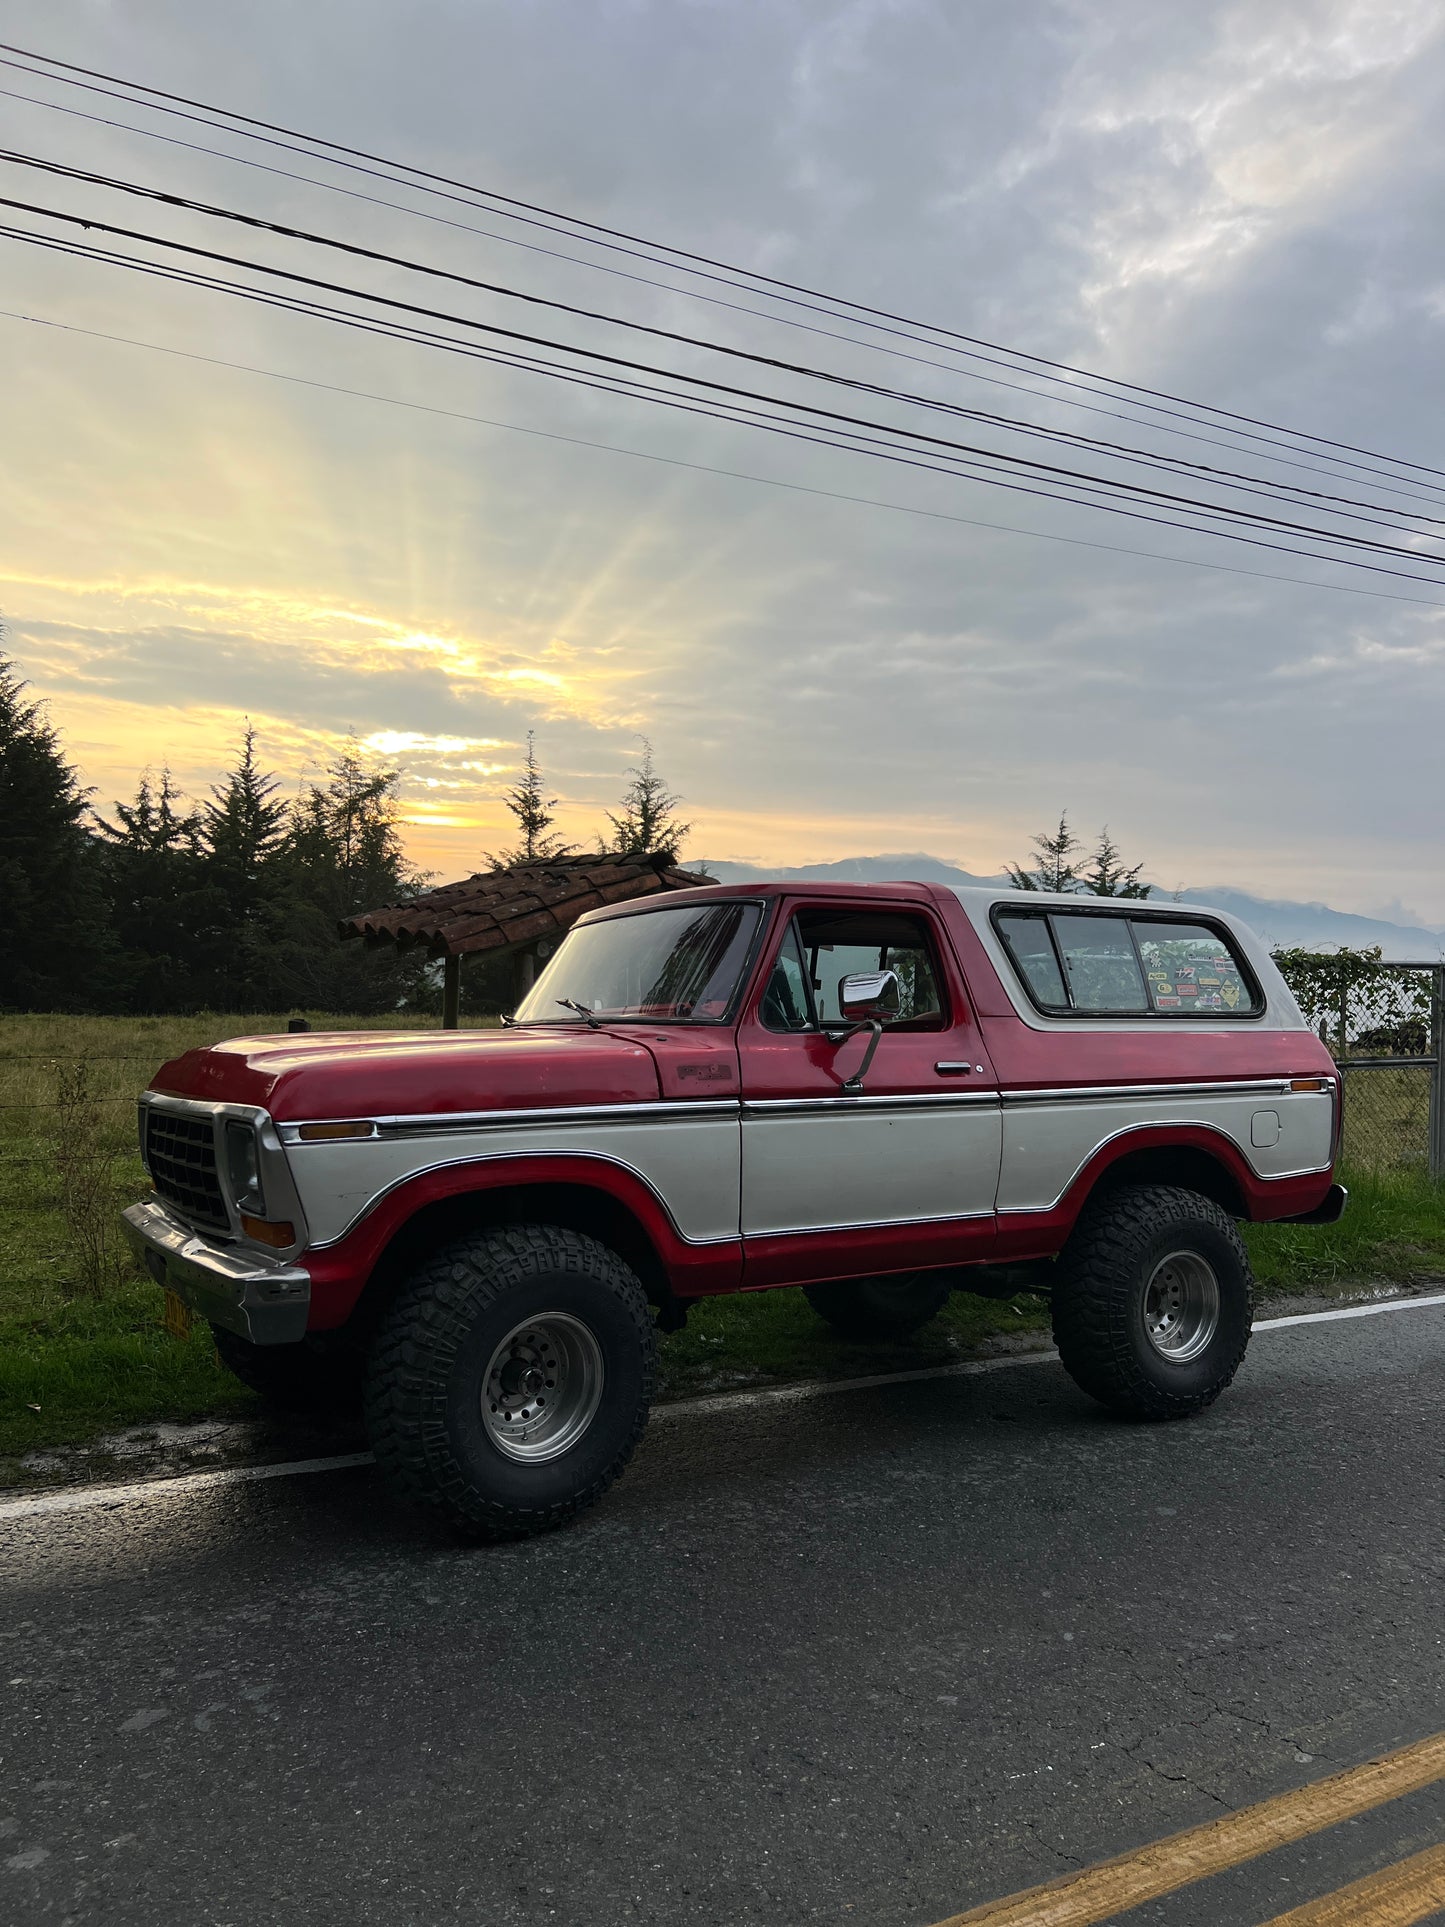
x,y
178,1316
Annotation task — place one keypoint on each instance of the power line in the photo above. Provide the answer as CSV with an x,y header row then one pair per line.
x,y
834,418
706,468
1229,479
613,235
708,407
693,294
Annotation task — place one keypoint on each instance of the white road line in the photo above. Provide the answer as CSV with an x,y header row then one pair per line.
x,y
1348,1311
103,1497
84,1498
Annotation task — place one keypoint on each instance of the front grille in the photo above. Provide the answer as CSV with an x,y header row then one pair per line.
x,y
181,1153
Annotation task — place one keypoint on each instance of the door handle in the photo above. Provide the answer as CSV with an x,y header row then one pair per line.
x,y
947,1069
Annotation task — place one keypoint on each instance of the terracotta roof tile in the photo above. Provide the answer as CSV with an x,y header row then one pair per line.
x,y
502,907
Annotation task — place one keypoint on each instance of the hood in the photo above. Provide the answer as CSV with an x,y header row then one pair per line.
x,y
388,1073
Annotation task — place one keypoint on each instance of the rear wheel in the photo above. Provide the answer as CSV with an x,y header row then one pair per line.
x,y
303,1377
1153,1302
511,1378
876,1308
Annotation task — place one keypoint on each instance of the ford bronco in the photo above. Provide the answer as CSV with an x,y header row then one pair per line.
x,y
881,1093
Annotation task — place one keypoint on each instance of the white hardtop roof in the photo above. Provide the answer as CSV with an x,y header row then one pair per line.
x,y
978,896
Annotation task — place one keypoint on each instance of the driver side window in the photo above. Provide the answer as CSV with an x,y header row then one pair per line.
x,y
825,946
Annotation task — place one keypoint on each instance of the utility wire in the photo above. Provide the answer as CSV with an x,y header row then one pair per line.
x,y
1085,478
610,236
693,294
706,468
1233,480
708,407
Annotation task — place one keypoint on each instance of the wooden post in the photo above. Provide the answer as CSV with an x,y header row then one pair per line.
x,y
451,992
524,975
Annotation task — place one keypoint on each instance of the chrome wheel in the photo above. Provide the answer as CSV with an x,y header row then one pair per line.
x,y
1181,1306
542,1388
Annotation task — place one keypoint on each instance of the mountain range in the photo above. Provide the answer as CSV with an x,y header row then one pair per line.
x,y
1283,924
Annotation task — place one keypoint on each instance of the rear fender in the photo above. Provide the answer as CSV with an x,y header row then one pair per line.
x,y
1194,1156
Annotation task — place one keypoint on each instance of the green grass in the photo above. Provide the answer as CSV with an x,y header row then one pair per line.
x,y
74,1367
1394,1229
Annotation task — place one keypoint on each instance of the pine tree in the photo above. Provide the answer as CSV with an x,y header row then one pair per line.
x,y
1054,864
343,852
1108,876
56,942
648,825
533,809
164,910
242,832
244,822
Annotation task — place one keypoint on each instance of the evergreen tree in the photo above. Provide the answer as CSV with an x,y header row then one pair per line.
x,y
56,946
244,822
343,852
242,830
1054,865
163,907
1108,876
533,810
648,825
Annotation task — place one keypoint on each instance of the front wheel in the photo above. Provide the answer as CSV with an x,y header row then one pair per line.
x,y
1153,1302
511,1379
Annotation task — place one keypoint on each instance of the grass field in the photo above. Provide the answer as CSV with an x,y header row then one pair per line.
x,y
75,1363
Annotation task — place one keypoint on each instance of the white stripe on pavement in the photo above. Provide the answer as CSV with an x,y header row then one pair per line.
x,y
82,1498
86,1497
1348,1311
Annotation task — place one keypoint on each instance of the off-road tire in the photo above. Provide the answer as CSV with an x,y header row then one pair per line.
x,y
1099,1301
303,1377
428,1364
869,1309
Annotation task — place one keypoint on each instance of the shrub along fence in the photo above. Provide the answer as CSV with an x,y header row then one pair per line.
x,y
1384,1024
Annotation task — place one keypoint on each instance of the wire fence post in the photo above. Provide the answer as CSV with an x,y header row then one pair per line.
x,y
1437,1072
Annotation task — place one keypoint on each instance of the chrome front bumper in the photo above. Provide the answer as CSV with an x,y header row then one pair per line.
x,y
263,1299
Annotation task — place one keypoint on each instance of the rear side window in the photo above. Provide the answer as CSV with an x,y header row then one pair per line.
x,y
1190,971
1104,963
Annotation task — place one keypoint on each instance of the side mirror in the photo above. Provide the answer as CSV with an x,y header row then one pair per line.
x,y
871,997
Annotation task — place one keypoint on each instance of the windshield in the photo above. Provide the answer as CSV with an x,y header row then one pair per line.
x,y
682,965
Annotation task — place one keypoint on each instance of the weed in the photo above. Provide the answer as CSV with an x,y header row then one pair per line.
x,y
87,1157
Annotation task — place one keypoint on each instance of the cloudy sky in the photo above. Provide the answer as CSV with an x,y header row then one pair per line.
x,y
1236,203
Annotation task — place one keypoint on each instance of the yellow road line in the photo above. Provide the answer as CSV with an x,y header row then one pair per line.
x,y
1399,1896
1113,1886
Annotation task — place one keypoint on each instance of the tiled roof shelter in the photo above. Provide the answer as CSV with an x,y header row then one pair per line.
x,y
515,910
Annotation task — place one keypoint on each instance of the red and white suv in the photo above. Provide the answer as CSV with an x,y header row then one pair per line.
x,y
862,1091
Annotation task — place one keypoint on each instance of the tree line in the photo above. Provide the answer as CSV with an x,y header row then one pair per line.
x,y
164,904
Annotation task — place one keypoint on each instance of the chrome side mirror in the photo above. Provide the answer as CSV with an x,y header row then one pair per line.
x,y
867,1002
873,996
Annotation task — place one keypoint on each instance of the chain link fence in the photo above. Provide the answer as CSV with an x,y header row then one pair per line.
x,y
1384,1025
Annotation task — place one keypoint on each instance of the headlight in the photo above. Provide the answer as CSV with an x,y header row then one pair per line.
x,y
243,1169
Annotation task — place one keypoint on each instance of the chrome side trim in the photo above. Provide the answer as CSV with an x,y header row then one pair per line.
x,y
1095,1093
1159,1124
449,1123
503,1157
923,1101
872,1224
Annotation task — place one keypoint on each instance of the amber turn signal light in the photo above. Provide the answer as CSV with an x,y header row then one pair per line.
x,y
264,1231
312,1133
1309,1083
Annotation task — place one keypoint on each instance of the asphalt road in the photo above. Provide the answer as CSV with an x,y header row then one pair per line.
x,y
876,1655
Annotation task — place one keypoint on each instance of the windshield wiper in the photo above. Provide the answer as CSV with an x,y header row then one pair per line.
x,y
571,1003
